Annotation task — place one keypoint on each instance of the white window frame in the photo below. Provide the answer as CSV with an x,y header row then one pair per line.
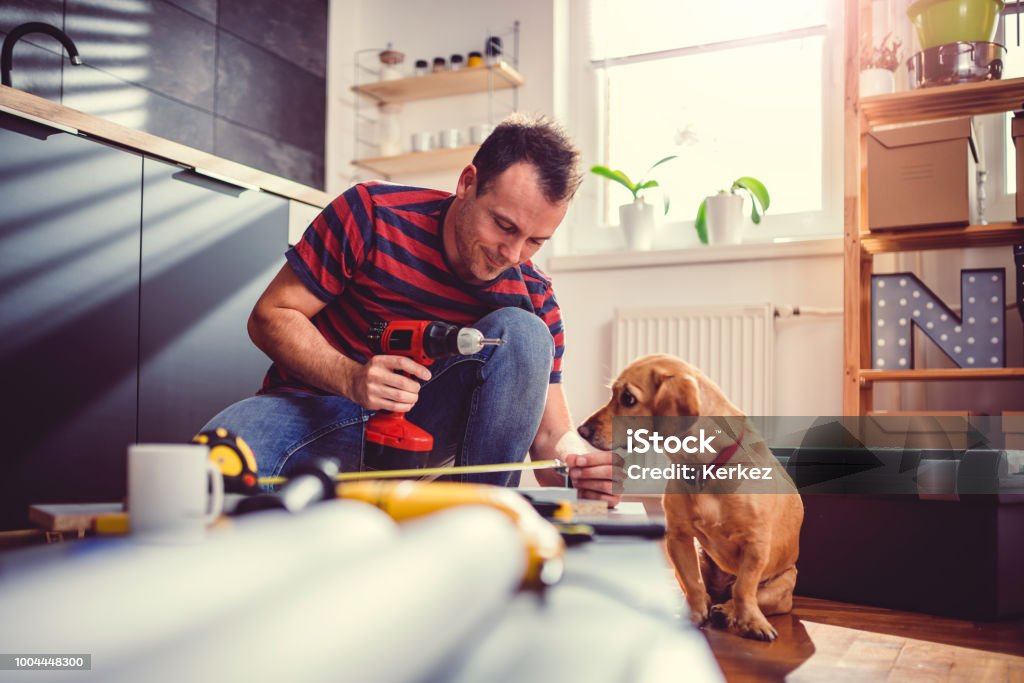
x,y
996,147
587,118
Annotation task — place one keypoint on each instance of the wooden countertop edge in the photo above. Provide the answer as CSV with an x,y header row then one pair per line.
x,y
47,111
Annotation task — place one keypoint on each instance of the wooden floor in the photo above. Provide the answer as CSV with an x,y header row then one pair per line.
x,y
836,642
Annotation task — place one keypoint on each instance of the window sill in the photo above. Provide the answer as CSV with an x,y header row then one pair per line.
x,y
807,248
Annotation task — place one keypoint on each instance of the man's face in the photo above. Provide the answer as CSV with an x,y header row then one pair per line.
x,y
501,228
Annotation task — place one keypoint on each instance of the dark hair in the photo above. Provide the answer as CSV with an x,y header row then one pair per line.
x,y
536,140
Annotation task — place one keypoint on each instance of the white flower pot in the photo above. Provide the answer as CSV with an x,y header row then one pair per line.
x,y
877,82
724,215
637,221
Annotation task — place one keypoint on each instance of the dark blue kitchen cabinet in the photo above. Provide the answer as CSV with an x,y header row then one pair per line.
x,y
208,251
125,286
69,316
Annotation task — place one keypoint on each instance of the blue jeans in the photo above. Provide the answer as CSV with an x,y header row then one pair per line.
x,y
481,409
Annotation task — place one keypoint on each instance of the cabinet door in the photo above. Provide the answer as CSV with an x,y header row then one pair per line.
x,y
208,251
69,277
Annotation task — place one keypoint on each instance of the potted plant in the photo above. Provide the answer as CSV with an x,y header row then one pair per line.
x,y
637,217
877,65
720,216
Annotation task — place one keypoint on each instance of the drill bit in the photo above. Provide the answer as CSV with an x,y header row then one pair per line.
x,y
471,340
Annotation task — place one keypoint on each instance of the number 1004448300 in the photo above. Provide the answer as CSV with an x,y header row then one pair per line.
x,y
45,662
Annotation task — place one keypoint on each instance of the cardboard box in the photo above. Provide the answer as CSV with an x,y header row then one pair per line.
x,y
921,176
1017,130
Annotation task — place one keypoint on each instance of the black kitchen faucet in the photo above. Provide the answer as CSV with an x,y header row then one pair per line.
x,y
7,53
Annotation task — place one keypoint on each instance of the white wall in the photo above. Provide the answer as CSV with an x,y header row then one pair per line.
x,y
808,349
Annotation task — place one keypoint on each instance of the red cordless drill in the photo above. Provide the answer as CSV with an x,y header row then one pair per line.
x,y
424,341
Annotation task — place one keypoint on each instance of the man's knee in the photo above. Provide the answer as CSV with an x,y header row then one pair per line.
x,y
528,341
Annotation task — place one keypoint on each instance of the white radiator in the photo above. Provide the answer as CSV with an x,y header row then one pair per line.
x,y
733,345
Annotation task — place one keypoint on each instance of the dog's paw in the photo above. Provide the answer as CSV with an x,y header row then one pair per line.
x,y
699,610
720,616
757,628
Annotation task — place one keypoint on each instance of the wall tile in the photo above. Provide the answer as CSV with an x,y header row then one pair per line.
x,y
204,9
148,42
269,154
36,70
264,92
15,12
98,93
153,65
296,30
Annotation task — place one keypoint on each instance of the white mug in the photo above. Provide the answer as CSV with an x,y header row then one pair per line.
x,y
449,137
169,492
422,142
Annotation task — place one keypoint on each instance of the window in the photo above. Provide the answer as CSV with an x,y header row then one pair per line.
x,y
734,87
999,158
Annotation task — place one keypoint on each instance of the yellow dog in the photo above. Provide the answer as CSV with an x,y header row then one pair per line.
x,y
734,553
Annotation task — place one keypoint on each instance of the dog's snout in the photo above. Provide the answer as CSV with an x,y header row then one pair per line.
x,y
586,431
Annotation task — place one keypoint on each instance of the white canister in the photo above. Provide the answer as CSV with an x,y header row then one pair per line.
x,y
479,132
422,141
391,73
389,130
449,138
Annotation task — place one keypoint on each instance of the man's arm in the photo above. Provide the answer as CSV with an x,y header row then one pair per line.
x,y
281,326
592,472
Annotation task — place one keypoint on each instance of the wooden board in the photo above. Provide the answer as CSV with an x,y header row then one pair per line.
x,y
928,104
70,516
479,79
420,162
940,374
19,103
992,235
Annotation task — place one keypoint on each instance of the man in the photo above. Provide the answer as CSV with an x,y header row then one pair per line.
x,y
387,252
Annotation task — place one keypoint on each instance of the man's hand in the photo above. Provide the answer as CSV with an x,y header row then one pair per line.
x,y
596,475
379,384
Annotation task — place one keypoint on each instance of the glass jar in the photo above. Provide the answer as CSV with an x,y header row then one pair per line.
x,y
475,59
389,64
421,67
440,65
493,49
456,62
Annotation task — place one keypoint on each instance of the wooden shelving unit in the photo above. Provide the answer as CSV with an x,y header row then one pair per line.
x,y
500,76
488,78
861,246
420,162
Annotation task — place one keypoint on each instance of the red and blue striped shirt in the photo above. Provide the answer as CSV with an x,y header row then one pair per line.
x,y
376,253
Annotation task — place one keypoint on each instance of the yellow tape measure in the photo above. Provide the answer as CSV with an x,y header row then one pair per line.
x,y
433,471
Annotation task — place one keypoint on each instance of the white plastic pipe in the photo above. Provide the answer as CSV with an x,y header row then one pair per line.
x,y
126,598
394,616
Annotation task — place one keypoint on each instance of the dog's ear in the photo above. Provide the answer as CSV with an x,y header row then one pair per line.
x,y
677,395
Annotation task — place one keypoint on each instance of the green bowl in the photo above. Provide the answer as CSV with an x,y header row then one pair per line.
x,y
939,22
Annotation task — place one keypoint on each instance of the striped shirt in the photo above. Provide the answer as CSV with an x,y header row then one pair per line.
x,y
376,253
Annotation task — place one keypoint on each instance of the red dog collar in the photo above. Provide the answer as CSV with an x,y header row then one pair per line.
x,y
725,455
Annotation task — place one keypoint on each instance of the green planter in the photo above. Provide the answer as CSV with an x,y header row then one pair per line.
x,y
939,22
